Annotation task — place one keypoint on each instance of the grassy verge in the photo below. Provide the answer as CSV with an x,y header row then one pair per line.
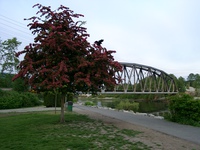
x,y
36,131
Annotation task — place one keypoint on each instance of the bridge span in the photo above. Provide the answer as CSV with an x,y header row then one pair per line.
x,y
142,79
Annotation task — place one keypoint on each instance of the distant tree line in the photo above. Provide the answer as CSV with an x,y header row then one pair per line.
x,y
193,80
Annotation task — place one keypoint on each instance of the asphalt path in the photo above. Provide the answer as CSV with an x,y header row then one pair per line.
x,y
186,132
29,109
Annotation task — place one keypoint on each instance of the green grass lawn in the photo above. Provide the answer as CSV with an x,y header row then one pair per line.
x,y
42,131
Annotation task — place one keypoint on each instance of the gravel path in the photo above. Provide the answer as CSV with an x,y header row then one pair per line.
x,y
31,109
185,132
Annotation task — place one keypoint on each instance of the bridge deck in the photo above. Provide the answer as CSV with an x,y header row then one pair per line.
x,y
139,92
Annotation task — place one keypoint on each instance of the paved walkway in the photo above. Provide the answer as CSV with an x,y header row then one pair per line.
x,y
186,132
30,109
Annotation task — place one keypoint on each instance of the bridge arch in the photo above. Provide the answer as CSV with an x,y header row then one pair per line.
x,y
142,79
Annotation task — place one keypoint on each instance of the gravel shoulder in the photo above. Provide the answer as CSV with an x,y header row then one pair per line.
x,y
155,139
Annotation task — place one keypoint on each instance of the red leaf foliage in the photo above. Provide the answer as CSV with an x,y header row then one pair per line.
x,y
61,57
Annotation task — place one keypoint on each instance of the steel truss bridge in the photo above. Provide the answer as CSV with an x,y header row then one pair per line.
x,y
141,79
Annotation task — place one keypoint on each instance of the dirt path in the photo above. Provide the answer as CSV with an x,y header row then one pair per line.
x,y
157,140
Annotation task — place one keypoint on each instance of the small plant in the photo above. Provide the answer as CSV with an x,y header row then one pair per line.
x,y
89,103
130,132
126,105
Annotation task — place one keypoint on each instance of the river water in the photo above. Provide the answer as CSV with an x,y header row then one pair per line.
x,y
144,105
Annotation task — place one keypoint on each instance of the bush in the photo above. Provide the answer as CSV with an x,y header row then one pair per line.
x,y
2,92
19,85
49,99
70,97
184,109
6,80
152,106
13,99
88,103
133,96
126,105
113,104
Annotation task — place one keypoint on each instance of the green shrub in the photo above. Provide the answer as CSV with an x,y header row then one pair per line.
x,y
184,109
2,92
33,99
133,96
6,80
113,104
13,99
70,97
126,105
152,106
49,99
19,85
89,103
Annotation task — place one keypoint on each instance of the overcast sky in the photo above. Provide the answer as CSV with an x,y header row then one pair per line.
x,y
164,34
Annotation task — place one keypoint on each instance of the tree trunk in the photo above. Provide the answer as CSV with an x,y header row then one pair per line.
x,y
62,116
